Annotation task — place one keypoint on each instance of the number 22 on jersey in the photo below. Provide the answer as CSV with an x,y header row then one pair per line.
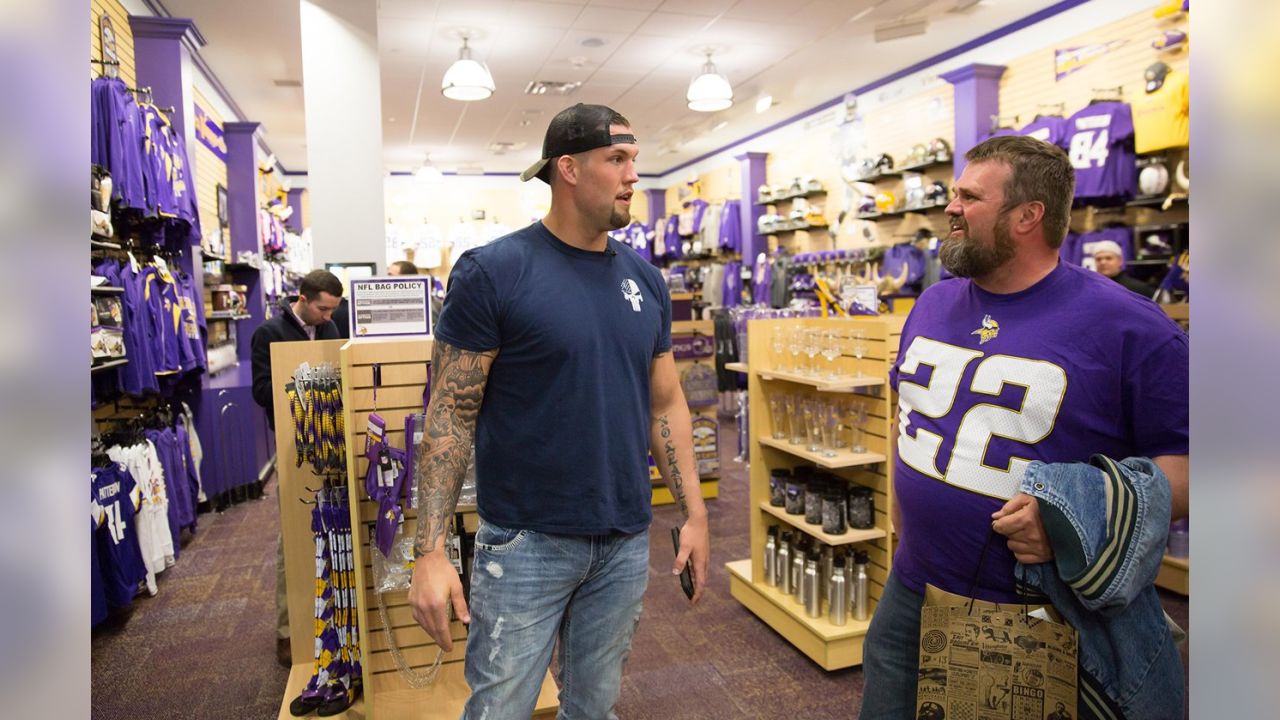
x,y
1045,385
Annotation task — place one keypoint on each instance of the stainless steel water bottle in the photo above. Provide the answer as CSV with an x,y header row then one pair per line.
x,y
828,563
782,568
861,603
797,567
770,555
812,598
838,603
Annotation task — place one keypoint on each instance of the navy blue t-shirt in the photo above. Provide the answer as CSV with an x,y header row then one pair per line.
x,y
562,439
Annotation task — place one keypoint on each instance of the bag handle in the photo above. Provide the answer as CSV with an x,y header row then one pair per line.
x,y
977,573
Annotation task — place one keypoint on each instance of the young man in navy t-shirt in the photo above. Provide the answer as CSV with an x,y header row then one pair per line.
x,y
553,353
1020,357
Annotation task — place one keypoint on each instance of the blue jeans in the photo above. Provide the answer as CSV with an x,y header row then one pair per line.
x,y
529,589
891,655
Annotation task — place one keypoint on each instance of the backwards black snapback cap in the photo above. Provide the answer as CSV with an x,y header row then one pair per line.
x,y
573,130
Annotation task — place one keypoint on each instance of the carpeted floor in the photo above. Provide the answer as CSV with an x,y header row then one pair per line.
x,y
204,647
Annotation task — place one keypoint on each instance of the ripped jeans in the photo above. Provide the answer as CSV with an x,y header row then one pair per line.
x,y
529,589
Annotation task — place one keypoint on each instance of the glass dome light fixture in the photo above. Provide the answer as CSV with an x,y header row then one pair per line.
x,y
428,173
709,91
467,79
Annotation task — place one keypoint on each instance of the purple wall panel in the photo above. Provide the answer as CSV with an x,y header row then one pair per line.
x,y
753,176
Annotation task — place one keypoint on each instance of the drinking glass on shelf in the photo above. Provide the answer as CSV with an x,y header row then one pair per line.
x,y
839,410
813,424
796,346
831,351
830,428
812,345
778,338
858,416
778,416
795,415
859,349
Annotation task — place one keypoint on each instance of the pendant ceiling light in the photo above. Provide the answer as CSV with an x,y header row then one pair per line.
x,y
710,91
467,79
428,173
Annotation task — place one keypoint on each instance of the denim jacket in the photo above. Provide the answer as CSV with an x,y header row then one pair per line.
x,y
1108,522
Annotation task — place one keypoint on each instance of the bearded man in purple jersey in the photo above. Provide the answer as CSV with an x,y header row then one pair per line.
x,y
1018,358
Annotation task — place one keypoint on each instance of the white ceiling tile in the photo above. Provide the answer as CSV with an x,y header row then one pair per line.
x,y
643,53
633,4
527,13
708,8
424,9
672,25
610,19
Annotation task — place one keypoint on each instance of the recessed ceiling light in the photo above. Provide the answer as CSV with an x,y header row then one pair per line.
x,y
763,103
391,119
592,42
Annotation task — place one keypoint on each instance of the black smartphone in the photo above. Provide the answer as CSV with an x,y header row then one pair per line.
x,y
686,577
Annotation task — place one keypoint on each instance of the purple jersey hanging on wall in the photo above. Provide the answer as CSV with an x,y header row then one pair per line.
x,y
1099,142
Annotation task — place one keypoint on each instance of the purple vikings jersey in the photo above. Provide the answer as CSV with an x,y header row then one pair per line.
x,y
1100,145
97,588
1049,128
116,140
160,308
120,558
1072,366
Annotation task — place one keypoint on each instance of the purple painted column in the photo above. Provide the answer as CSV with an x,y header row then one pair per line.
x,y
242,217
753,176
295,222
162,53
657,205
977,98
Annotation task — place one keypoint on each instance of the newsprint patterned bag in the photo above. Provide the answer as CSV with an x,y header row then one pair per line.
x,y
984,661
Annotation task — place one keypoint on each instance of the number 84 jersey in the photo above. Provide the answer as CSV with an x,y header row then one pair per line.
x,y
987,383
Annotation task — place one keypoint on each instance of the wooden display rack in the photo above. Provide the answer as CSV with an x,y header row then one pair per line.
x,y
830,646
387,696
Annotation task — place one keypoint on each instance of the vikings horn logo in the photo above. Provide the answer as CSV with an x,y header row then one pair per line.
x,y
989,330
631,291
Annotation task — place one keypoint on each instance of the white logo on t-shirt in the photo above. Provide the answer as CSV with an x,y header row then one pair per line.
x,y
631,291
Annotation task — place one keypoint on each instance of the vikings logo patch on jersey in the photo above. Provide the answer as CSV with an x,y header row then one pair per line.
x,y
989,330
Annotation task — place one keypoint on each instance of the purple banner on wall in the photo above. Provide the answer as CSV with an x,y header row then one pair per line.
x,y
1069,60
210,133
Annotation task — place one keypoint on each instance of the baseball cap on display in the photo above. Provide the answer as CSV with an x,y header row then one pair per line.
x,y
574,130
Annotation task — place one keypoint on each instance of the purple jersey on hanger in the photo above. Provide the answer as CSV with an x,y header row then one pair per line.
x,y
1049,128
672,240
731,226
1072,366
119,557
1099,141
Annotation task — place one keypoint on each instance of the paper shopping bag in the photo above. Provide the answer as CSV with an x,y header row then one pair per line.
x,y
985,661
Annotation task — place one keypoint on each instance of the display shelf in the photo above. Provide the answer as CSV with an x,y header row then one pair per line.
x,y
918,168
830,646
104,244
848,537
241,266
822,385
792,196
226,315
1156,201
210,257
843,458
1175,574
106,290
736,367
793,227
873,217
110,364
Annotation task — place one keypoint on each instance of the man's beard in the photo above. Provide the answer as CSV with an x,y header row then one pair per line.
x,y
619,220
964,257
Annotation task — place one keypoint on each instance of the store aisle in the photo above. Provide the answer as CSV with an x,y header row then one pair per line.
x,y
204,646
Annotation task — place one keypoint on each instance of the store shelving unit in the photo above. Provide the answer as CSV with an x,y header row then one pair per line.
x,y
386,695
1175,574
830,646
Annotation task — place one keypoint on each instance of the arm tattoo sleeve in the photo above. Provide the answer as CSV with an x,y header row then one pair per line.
x,y
458,385
669,451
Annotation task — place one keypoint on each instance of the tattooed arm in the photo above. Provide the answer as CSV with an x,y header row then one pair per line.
x,y
671,442
458,379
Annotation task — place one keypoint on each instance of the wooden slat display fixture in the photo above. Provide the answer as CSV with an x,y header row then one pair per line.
x,y
830,646
124,39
